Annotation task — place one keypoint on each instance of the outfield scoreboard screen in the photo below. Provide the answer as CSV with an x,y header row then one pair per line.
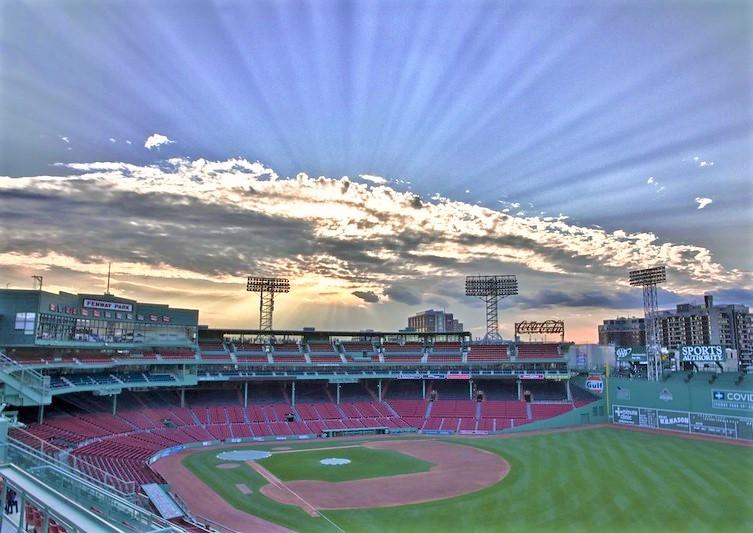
x,y
733,427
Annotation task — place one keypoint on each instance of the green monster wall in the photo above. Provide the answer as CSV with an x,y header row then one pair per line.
x,y
723,407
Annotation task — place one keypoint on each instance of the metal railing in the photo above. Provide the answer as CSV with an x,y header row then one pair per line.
x,y
25,377
88,491
81,467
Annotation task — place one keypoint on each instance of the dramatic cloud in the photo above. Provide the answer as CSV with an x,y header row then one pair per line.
x,y
702,201
156,140
377,180
367,296
209,223
402,295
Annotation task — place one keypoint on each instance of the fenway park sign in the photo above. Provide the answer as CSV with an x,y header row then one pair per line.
x,y
702,354
108,306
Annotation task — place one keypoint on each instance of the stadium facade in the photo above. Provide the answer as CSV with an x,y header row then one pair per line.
x,y
97,388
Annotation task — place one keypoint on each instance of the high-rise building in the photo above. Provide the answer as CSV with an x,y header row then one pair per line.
x,y
623,331
434,321
729,325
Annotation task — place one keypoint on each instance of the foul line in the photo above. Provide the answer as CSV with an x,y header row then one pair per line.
x,y
277,482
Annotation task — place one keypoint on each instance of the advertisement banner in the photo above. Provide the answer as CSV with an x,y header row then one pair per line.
x,y
732,399
595,383
673,420
702,354
531,376
625,415
732,427
632,354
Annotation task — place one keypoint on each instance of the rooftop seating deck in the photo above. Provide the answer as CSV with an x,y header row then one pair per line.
x,y
488,352
539,351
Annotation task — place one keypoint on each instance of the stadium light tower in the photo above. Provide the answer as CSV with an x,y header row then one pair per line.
x,y
267,288
649,278
491,289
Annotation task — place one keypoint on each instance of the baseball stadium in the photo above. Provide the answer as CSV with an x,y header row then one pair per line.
x,y
122,415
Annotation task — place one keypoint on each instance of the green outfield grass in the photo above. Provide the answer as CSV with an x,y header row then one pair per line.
x,y
594,480
365,463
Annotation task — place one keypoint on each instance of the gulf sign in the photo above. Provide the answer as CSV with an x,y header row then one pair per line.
x,y
702,354
595,383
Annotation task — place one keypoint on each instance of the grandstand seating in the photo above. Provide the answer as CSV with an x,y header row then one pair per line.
x,y
207,346
175,353
481,353
538,351
149,421
323,353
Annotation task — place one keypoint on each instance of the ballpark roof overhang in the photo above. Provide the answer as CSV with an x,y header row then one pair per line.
x,y
211,332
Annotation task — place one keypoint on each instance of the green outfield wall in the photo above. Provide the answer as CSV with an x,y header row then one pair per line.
x,y
704,404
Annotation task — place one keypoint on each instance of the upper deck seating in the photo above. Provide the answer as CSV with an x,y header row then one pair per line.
x,y
212,345
323,353
445,352
539,351
488,353
176,353
410,352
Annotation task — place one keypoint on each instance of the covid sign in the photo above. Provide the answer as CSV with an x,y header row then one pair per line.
x,y
732,399
702,354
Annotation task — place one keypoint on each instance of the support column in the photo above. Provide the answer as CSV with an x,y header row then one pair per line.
x,y
470,389
21,512
520,393
4,424
182,397
569,394
379,389
40,415
292,394
338,394
423,389
114,404
245,395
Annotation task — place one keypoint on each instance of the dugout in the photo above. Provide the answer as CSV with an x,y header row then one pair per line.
x,y
348,432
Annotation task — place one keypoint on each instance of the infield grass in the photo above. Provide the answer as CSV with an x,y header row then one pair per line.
x,y
365,463
598,480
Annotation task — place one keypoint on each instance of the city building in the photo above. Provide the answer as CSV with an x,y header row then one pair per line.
x,y
623,331
729,325
434,321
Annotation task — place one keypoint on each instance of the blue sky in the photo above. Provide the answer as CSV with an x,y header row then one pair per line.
x,y
625,116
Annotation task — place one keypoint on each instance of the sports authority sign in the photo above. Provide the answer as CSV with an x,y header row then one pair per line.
x,y
109,306
702,354
732,399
